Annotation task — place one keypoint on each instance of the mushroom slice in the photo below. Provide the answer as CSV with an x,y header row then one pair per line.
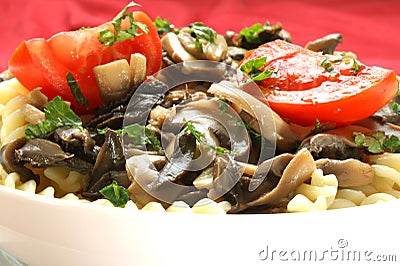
x,y
266,122
170,42
110,158
10,163
217,50
113,80
349,172
138,68
326,44
44,153
330,146
297,171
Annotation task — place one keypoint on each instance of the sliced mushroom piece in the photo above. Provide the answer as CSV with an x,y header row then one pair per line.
x,y
297,171
110,158
121,177
78,142
326,44
141,172
216,50
349,172
150,184
10,163
330,146
43,153
32,114
113,80
178,163
262,119
138,68
170,42
188,43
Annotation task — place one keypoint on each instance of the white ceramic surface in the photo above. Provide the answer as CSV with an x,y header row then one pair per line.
x,y
42,231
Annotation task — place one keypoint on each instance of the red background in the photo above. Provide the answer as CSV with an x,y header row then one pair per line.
x,y
370,28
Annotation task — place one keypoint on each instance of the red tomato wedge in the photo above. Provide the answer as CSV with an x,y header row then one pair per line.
x,y
45,63
307,85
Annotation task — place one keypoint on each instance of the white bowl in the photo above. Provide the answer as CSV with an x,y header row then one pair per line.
x,y
42,231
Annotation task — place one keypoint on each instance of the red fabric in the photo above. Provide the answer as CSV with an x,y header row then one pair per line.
x,y
370,28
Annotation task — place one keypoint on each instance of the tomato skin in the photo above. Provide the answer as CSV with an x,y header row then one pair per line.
x,y
45,63
304,91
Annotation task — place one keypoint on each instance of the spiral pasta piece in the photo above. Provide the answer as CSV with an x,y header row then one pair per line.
x,y
318,195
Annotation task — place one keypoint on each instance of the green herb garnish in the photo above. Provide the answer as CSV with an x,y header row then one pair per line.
x,y
254,69
251,34
190,128
108,37
396,108
223,104
202,32
328,66
57,114
140,135
163,26
327,63
377,142
116,194
76,90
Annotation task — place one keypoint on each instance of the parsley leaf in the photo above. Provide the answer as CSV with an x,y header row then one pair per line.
x,y
108,37
139,134
116,194
76,90
57,114
202,32
189,127
327,63
253,69
328,66
396,108
163,26
251,34
377,142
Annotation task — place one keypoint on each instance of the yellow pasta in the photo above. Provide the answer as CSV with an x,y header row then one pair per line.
x,y
67,181
341,203
13,120
318,195
355,196
377,197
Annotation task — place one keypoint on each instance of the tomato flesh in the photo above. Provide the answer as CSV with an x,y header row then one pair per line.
x,y
45,63
304,91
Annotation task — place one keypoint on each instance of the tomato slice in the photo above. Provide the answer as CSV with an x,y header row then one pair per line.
x,y
45,63
303,90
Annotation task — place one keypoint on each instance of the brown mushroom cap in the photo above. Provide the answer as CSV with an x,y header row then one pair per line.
x,y
349,172
297,171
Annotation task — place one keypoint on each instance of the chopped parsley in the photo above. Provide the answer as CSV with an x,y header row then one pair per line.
x,y
109,37
251,34
254,69
139,134
202,32
190,128
223,104
57,114
76,90
327,63
377,142
163,26
328,66
116,194
396,108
